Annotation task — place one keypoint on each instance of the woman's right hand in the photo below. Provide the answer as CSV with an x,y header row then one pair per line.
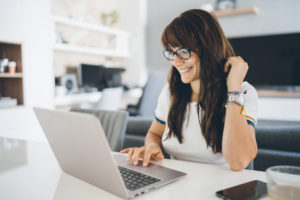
x,y
145,153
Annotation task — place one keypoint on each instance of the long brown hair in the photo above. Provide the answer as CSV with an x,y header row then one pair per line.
x,y
199,31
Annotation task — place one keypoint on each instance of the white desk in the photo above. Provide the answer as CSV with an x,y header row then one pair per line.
x,y
28,170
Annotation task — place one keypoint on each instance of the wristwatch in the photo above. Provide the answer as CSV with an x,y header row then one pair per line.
x,y
237,98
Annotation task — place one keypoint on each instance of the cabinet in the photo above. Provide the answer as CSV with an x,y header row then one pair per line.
x,y
11,84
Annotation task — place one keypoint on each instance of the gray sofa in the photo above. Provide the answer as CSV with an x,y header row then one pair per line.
x,y
278,144
278,141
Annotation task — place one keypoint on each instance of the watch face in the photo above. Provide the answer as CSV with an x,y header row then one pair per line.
x,y
241,99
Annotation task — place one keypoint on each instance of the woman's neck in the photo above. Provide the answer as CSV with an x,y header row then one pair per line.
x,y
195,85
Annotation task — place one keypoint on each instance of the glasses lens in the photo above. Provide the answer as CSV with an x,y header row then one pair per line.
x,y
168,54
184,53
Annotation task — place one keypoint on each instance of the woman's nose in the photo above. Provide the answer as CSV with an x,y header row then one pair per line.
x,y
177,61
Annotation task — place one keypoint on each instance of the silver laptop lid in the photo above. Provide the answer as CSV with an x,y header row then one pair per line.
x,y
72,137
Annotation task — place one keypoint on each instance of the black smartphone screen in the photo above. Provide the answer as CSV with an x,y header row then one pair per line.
x,y
250,191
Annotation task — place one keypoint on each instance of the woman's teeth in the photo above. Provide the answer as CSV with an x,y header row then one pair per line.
x,y
185,70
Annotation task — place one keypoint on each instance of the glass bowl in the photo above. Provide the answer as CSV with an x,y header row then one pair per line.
x,y
283,182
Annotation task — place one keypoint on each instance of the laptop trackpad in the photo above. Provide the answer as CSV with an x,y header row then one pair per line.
x,y
121,160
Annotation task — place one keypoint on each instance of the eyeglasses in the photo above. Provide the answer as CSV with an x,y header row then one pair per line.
x,y
182,53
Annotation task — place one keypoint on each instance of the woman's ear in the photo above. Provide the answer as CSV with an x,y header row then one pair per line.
x,y
223,62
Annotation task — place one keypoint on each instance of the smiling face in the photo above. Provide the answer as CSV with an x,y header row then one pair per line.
x,y
188,69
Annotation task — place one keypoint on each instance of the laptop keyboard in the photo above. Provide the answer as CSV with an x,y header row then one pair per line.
x,y
134,180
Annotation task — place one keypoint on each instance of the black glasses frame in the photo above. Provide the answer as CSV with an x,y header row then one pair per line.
x,y
175,53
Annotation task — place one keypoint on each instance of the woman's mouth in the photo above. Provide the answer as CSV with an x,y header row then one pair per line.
x,y
185,70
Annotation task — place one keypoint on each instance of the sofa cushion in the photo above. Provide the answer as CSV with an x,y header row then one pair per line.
x,y
138,125
267,158
278,135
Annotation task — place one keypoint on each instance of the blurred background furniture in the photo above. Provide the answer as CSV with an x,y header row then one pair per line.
x,y
147,102
278,141
137,128
110,100
113,123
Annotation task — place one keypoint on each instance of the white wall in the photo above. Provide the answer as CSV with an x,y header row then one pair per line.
x,y
37,53
28,22
10,16
133,19
276,16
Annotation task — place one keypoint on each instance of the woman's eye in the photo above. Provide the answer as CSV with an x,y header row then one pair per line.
x,y
183,51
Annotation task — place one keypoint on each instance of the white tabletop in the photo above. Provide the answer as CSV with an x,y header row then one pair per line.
x,y
28,170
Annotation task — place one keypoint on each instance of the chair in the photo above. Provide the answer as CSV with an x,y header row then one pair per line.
x,y
147,103
114,124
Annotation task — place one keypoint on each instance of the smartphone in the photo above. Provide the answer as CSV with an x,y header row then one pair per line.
x,y
250,191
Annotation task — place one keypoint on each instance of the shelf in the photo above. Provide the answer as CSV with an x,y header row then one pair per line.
x,y
89,50
11,75
237,11
89,26
280,94
11,84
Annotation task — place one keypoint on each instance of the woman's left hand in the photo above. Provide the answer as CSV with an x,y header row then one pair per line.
x,y
237,69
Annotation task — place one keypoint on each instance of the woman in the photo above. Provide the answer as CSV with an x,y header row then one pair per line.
x,y
206,113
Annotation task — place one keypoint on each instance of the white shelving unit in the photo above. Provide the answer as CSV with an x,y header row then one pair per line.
x,y
122,39
89,50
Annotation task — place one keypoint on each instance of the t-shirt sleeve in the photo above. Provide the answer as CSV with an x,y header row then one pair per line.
x,y
251,103
162,106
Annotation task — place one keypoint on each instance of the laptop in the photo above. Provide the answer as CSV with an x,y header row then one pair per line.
x,y
81,149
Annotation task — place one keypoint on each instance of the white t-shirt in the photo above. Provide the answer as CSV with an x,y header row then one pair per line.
x,y
194,147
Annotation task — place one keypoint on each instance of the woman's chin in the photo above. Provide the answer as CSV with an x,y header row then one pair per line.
x,y
186,81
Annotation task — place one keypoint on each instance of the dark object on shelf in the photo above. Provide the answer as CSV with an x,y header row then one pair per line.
x,y
274,60
60,38
69,81
3,65
99,76
225,4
